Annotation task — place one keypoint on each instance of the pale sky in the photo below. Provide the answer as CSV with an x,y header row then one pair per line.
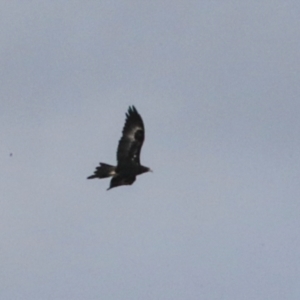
x,y
217,84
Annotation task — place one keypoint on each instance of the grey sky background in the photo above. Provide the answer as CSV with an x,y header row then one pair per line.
x,y
217,84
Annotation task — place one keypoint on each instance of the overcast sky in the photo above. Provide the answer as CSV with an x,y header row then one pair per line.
x,y
217,84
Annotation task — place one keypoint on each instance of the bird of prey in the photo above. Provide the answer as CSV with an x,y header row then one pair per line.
x,y
128,153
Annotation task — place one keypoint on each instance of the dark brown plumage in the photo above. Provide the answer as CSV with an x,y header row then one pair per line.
x,y
128,153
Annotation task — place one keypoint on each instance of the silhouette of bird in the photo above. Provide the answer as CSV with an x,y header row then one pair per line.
x,y
128,153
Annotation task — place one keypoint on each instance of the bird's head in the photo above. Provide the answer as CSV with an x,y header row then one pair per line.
x,y
145,169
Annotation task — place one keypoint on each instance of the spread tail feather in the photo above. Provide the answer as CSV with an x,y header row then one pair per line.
x,y
103,171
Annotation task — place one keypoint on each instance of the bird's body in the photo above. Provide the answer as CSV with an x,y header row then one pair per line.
x,y
128,153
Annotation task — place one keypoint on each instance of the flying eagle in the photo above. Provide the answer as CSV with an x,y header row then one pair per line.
x,y
128,153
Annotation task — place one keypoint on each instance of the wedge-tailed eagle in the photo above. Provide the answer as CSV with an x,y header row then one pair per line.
x,y
128,153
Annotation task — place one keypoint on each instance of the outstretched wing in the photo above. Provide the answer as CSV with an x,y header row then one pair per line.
x,y
132,139
121,180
